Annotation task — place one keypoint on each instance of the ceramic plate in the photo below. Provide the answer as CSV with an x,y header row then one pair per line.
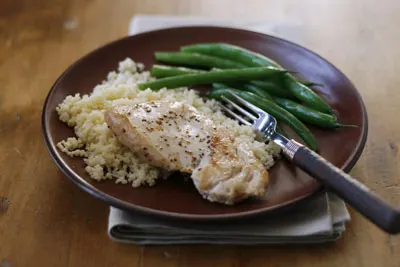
x,y
174,197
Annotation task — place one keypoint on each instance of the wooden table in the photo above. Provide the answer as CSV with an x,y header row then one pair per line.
x,y
45,220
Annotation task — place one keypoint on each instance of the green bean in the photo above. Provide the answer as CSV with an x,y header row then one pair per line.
x,y
196,60
249,58
309,115
236,53
247,87
269,87
232,52
229,75
306,95
161,71
257,91
272,87
222,86
274,110
308,83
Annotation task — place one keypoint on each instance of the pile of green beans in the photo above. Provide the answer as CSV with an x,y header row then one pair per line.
x,y
249,58
252,76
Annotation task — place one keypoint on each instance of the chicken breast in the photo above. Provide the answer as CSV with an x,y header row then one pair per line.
x,y
230,172
176,137
168,135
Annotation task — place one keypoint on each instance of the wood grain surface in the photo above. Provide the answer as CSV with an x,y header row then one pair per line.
x,y
45,220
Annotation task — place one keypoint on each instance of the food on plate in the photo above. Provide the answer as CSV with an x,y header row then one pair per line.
x,y
133,129
290,95
227,75
309,115
273,87
273,109
306,95
303,113
230,172
176,137
107,158
194,59
161,71
235,53
247,87
167,134
251,59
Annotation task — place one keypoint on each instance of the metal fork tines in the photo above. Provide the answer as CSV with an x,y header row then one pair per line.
x,y
251,115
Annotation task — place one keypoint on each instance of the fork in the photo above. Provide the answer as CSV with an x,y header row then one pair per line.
x,y
349,189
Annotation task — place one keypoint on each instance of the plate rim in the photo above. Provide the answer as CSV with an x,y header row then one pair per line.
x,y
124,205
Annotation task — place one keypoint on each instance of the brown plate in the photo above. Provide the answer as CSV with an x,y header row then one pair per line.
x,y
174,197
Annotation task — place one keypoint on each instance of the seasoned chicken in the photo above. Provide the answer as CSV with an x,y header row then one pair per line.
x,y
168,135
230,172
175,136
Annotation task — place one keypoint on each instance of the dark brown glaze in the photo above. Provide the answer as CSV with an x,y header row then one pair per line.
x,y
174,197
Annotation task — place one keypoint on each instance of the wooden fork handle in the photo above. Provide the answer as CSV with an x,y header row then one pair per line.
x,y
350,190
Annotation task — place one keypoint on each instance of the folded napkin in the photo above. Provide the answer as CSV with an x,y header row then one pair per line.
x,y
316,220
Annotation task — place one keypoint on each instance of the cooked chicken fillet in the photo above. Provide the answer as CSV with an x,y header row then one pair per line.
x,y
168,135
175,136
230,172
